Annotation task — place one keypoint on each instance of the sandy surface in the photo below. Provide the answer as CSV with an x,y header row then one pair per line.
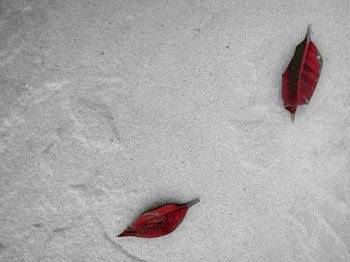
x,y
109,108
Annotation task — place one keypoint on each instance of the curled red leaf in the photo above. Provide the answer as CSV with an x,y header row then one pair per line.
x,y
159,222
301,77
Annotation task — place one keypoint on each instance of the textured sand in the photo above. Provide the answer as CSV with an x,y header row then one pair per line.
x,y
109,108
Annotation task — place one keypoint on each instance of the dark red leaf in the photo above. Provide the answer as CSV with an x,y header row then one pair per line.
x,y
159,222
301,77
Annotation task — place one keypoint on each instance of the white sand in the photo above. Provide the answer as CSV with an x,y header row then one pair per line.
x,y
109,108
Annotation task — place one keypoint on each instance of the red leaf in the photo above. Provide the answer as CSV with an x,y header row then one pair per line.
x,y
159,222
301,77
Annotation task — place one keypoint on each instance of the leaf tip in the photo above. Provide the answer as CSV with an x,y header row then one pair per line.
x,y
193,202
123,234
292,116
308,34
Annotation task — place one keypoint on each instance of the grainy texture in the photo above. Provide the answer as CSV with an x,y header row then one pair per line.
x,y
109,108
